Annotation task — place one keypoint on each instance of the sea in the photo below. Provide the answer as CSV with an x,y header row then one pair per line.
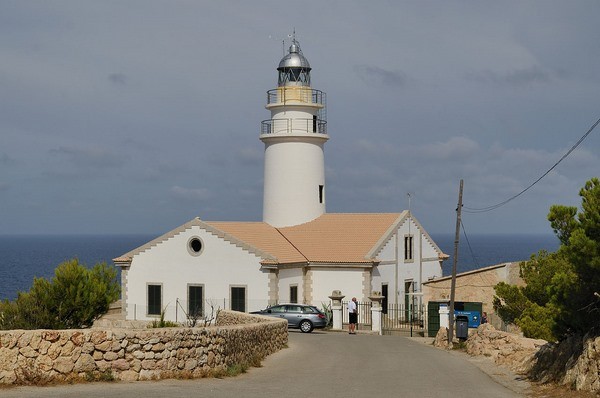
x,y
25,257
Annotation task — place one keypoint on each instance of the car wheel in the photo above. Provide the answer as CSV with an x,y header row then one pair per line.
x,y
306,326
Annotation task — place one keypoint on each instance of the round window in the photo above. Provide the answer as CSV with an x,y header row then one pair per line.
x,y
195,246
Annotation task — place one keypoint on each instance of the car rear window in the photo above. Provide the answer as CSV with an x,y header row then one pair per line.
x,y
309,310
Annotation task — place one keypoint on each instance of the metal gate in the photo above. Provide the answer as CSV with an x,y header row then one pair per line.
x,y
364,314
401,319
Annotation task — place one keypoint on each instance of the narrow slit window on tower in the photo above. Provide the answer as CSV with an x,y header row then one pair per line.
x,y
321,192
314,123
408,247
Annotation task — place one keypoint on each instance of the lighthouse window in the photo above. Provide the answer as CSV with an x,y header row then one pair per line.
x,y
321,192
195,246
294,75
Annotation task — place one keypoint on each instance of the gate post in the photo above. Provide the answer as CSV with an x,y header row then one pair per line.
x,y
336,309
376,298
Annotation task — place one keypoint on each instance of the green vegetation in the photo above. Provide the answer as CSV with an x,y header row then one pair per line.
x,y
562,295
74,298
161,323
105,376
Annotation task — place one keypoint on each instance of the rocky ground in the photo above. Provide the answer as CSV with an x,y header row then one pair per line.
x,y
511,360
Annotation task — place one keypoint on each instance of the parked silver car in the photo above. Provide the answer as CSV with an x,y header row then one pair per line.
x,y
300,316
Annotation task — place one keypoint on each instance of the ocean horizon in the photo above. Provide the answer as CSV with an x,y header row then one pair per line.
x,y
25,257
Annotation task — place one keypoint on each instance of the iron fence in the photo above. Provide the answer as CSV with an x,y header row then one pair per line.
x,y
404,319
364,313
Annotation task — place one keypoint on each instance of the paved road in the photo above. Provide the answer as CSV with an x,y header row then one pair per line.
x,y
318,365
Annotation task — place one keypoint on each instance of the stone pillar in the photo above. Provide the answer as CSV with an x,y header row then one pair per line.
x,y
336,309
376,299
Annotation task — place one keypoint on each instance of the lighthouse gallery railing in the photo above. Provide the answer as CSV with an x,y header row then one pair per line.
x,y
274,126
282,95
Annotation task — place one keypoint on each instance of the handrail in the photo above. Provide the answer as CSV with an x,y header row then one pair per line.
x,y
282,95
274,126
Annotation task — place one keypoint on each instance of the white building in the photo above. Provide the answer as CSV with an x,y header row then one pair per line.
x,y
298,253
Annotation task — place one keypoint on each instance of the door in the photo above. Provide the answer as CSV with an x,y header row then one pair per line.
x,y
293,314
384,302
238,298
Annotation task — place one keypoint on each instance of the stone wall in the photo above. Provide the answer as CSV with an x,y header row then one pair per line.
x,y
42,356
507,349
475,286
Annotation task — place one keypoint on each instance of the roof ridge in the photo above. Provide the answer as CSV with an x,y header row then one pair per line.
x,y
387,235
238,242
293,245
158,240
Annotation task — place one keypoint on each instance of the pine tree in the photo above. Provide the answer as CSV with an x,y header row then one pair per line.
x,y
562,292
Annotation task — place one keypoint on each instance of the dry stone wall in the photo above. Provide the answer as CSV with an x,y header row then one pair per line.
x,y
41,356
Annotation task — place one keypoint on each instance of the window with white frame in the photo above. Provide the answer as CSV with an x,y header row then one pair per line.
x,y
154,298
408,247
238,298
195,300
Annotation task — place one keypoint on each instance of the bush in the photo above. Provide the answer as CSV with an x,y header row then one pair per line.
x,y
562,295
74,298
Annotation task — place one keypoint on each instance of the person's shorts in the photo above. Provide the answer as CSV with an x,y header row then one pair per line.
x,y
353,317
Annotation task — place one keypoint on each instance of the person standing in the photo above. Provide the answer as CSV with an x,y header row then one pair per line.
x,y
484,318
352,316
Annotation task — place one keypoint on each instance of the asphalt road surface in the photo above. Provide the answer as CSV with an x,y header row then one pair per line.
x,y
320,364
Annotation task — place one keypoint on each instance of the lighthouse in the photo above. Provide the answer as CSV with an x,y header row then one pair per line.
x,y
294,138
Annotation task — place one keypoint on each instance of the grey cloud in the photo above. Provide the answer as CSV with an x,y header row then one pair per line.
x,y
250,156
89,157
118,79
380,77
515,78
6,160
190,193
455,147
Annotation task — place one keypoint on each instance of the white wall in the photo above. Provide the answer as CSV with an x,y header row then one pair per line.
x,y
407,270
326,280
288,277
219,266
294,169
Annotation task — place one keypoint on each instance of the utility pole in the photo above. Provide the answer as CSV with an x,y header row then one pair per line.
x,y
455,260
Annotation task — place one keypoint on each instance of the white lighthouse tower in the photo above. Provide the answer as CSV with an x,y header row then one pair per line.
x,y
294,183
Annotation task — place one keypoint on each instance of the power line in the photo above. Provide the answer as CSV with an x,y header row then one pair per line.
x,y
497,205
469,244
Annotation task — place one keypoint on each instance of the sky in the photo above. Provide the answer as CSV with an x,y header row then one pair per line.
x,y
121,117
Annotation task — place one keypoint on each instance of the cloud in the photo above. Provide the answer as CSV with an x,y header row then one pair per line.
x,y
454,148
190,193
380,77
516,78
118,79
89,157
6,160
250,156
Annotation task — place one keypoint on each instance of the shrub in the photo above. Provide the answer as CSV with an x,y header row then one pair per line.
x,y
74,298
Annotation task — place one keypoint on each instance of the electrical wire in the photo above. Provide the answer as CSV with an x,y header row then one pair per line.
x,y
497,205
469,244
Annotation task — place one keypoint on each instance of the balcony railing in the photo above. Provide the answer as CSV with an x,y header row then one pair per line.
x,y
274,126
282,95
